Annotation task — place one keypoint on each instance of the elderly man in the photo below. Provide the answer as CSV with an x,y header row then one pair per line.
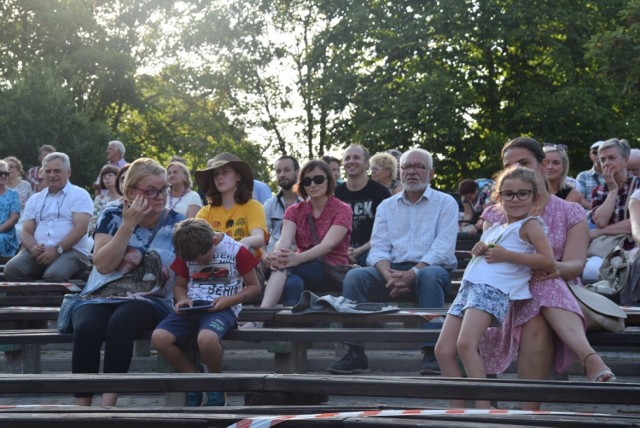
x,y
54,232
115,153
633,164
412,253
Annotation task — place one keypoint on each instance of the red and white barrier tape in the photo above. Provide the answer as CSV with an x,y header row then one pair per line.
x,y
269,421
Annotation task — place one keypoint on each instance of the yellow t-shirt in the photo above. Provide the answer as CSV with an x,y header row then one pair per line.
x,y
237,222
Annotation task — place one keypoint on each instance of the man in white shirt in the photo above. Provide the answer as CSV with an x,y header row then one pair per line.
x,y
412,252
54,232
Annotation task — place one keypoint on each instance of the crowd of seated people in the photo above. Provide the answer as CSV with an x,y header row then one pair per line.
x,y
383,216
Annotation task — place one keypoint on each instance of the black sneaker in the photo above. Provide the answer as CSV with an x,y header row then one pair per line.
x,y
354,361
429,364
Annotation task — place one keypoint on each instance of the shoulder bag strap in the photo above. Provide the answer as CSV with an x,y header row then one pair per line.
x,y
159,224
312,227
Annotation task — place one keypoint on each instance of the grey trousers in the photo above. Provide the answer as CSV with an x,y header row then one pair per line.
x,y
23,267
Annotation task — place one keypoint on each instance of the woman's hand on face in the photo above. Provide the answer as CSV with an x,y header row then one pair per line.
x,y
135,211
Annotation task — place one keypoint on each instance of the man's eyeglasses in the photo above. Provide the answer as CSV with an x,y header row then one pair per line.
x,y
154,193
550,147
4,173
522,195
415,166
318,179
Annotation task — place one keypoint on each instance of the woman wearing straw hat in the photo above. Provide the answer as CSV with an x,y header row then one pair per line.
x,y
228,185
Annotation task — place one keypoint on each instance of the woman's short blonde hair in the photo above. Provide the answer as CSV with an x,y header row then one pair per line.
x,y
385,161
139,170
182,167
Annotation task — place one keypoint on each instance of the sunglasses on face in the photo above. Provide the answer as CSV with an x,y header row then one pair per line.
x,y
318,179
4,173
522,195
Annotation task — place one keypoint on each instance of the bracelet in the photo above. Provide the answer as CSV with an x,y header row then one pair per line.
x,y
415,270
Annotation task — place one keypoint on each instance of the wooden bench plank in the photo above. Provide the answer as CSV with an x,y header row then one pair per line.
x,y
377,386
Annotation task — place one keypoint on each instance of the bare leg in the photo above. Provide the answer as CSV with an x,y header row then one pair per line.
x,y
165,344
446,352
535,354
474,326
570,330
109,398
273,289
83,401
211,350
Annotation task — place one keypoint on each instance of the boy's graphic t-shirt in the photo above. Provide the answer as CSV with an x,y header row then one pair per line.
x,y
222,276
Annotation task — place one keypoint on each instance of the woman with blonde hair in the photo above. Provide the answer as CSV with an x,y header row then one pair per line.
x,y
557,171
182,199
128,235
384,170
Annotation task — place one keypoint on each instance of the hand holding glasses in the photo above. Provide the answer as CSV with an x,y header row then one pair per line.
x,y
154,193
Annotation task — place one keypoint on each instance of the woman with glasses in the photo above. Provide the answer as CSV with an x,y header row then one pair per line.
x,y
384,170
556,174
320,228
9,213
125,236
549,327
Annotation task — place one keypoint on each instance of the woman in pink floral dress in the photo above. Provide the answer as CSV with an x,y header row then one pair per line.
x,y
550,326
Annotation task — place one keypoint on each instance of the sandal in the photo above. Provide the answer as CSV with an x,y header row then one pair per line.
x,y
251,325
604,375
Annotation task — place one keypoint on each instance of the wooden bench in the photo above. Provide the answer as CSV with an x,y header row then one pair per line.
x,y
288,342
376,386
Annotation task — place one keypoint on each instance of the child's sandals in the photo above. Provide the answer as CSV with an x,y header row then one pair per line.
x,y
604,375
251,325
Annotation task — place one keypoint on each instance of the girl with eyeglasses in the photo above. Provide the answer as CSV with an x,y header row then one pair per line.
x,y
548,328
9,214
321,213
498,273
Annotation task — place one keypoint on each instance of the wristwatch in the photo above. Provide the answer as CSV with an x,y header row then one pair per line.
x,y
415,270
59,250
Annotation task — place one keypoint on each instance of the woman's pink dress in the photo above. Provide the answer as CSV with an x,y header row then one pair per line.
x,y
500,345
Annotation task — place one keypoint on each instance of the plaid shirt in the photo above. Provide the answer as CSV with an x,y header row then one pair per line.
x,y
587,183
600,194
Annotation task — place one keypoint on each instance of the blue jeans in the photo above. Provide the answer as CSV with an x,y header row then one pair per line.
x,y
368,285
307,276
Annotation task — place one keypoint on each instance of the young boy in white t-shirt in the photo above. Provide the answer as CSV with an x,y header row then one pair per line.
x,y
214,272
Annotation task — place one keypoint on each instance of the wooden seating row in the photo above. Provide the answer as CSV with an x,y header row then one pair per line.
x,y
291,339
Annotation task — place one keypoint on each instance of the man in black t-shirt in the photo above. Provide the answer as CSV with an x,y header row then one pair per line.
x,y
364,195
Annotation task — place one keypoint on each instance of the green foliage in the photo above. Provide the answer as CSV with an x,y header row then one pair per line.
x,y
306,77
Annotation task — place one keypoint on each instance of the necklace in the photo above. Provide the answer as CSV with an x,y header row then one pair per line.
x,y
171,204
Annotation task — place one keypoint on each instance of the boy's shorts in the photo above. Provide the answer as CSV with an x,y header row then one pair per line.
x,y
483,297
185,327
